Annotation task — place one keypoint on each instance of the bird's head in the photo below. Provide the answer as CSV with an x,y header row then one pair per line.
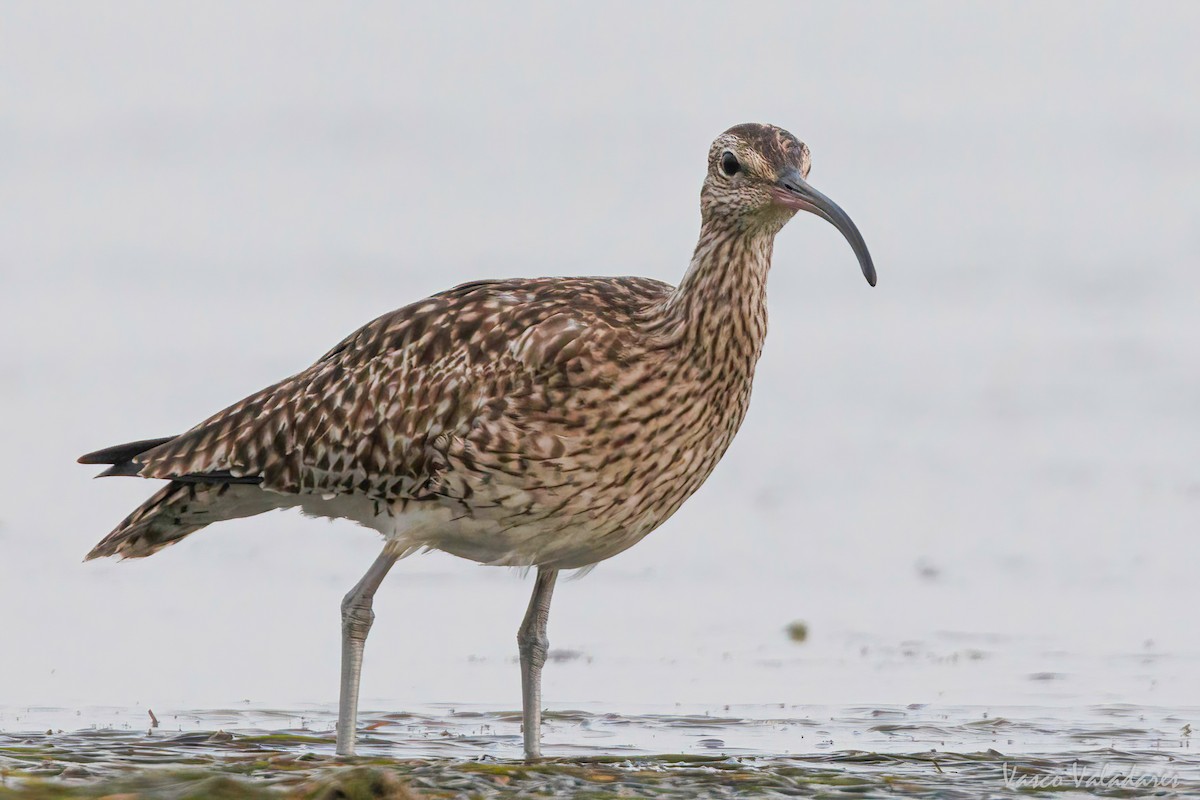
x,y
757,182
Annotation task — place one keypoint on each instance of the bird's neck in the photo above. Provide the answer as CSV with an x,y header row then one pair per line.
x,y
718,313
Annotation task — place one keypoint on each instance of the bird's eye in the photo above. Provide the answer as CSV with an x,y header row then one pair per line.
x,y
729,164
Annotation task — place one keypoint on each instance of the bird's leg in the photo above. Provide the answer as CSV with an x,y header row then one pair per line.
x,y
533,644
357,617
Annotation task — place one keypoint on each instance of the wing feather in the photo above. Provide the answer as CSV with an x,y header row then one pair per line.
x,y
468,371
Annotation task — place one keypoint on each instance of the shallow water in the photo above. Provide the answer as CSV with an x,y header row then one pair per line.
x,y
782,750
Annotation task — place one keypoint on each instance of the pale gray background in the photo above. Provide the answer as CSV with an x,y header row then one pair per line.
x,y
981,470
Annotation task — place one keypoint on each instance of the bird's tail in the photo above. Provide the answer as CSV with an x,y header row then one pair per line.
x,y
178,509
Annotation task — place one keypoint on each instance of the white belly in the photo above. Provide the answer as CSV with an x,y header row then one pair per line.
x,y
509,543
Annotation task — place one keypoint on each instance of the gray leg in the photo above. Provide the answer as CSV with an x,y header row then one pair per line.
x,y
357,617
531,639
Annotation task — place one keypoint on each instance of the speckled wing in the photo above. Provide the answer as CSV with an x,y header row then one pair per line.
x,y
480,373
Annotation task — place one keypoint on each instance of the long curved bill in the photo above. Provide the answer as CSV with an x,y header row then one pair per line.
x,y
792,191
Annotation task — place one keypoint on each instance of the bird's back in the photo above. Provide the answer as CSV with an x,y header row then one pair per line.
x,y
520,411
372,414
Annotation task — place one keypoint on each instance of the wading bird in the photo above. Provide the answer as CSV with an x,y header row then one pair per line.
x,y
547,422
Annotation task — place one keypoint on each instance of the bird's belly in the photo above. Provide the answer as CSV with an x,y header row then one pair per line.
x,y
529,534
561,514
531,527
532,544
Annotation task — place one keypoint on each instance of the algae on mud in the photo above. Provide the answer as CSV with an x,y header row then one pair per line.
x,y
855,774
899,752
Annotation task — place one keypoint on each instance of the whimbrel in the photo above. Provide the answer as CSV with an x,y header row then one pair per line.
x,y
547,422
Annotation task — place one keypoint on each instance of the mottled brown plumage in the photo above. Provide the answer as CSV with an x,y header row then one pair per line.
x,y
550,422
